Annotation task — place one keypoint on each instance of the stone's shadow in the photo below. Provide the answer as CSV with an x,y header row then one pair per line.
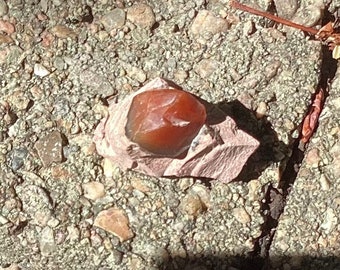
x,y
212,262
270,149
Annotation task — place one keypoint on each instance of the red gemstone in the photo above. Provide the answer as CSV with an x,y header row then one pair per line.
x,y
164,121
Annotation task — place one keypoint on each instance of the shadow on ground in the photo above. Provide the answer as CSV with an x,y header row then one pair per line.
x,y
271,149
211,262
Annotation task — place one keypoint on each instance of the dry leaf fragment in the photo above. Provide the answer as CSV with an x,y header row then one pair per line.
x,y
311,120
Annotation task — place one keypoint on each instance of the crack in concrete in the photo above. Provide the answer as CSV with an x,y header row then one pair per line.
x,y
277,197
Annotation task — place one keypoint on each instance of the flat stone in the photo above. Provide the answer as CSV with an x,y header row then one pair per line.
x,y
50,148
115,221
63,32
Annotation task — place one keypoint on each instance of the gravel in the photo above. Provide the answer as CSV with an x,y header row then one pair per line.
x,y
63,62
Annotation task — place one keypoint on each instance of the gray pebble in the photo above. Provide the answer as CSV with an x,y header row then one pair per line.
x,y
59,63
18,158
47,243
114,19
97,83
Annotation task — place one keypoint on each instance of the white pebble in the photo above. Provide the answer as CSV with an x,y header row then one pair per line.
x,y
40,70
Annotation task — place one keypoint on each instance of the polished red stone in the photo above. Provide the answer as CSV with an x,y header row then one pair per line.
x,y
164,121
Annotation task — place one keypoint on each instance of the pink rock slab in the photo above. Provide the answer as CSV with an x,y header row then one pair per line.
x,y
219,151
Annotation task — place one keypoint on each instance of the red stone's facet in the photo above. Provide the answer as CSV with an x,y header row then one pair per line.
x,y
164,121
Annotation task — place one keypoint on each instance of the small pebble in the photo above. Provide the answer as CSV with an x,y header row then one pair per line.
x,y
309,15
19,100
115,221
114,19
191,205
180,75
248,28
4,39
313,158
330,221
47,243
3,220
94,190
40,70
73,233
324,182
13,266
97,84
206,67
203,193
18,158
242,215
50,148
335,152
206,21
254,192
139,185
136,73
6,27
336,102
109,168
261,110
85,142
142,15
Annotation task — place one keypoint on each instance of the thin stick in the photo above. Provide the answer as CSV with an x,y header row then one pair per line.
x,y
272,17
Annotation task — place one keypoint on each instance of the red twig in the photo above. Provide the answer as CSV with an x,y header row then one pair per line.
x,y
272,17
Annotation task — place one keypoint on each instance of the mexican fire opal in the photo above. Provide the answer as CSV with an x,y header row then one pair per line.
x,y
164,121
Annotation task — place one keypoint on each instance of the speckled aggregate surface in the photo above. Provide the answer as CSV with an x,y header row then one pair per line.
x,y
61,63
311,215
